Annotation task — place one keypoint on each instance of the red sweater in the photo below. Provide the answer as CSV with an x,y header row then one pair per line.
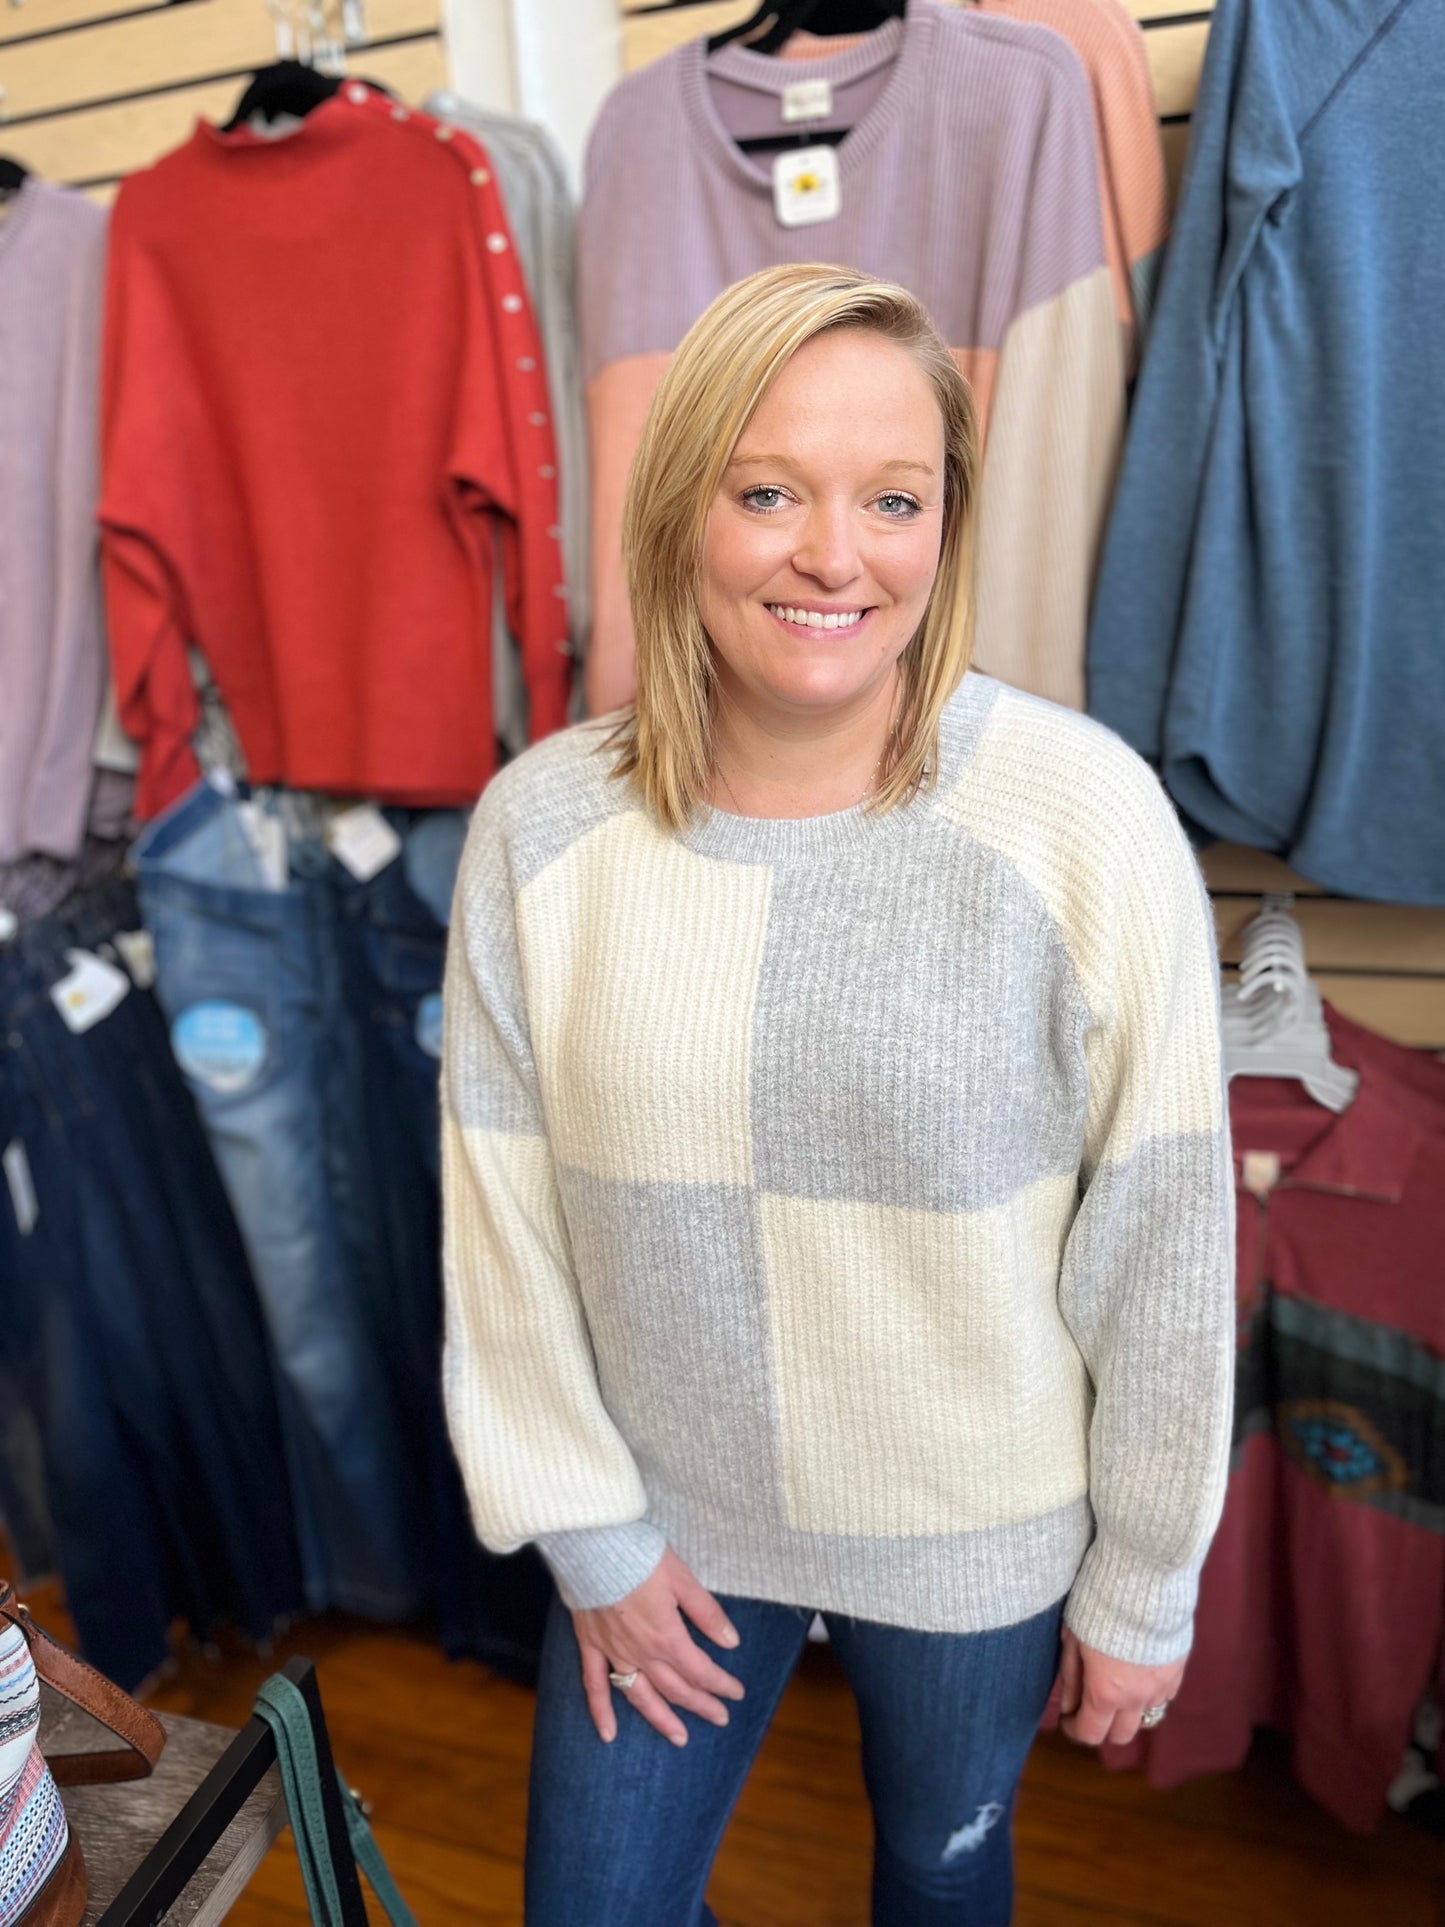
x,y
322,391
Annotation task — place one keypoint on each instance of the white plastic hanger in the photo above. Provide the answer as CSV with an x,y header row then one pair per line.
x,y
1273,1018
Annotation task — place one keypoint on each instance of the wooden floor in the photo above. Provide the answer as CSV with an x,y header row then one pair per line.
x,y
439,1751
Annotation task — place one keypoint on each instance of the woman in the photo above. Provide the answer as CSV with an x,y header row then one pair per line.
x,y
838,1188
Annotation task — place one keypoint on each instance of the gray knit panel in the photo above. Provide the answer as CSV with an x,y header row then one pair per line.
x,y
918,1040
1163,1473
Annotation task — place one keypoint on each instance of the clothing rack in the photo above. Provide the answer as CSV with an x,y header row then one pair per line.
x,y
1381,964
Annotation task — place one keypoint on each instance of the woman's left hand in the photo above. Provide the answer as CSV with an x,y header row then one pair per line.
x,y
1102,1698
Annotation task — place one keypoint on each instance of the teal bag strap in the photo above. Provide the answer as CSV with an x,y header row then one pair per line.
x,y
283,1707
368,1858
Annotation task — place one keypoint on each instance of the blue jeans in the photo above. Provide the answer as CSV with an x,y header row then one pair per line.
x,y
624,1835
309,1021
129,1325
251,982
391,932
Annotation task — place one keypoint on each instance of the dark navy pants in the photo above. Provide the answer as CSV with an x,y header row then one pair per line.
x,y
129,1323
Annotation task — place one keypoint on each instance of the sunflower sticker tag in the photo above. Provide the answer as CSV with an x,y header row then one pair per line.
x,y
805,187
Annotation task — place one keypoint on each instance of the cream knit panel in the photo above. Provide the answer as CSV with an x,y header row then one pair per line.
x,y
641,963
1056,425
536,1447
909,1344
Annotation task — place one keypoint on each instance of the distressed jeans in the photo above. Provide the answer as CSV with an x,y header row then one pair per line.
x,y
624,1835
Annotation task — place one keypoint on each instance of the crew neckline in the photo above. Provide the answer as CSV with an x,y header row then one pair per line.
x,y
901,42
27,198
736,838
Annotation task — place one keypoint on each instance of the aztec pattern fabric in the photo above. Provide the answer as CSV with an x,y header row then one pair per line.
x,y
970,176
1319,1603
846,1202
33,1832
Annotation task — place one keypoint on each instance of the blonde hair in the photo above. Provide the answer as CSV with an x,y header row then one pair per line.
x,y
727,362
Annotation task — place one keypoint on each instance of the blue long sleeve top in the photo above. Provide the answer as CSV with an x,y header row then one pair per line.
x,y
1269,617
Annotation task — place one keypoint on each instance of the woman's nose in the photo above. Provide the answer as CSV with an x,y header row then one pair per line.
x,y
827,549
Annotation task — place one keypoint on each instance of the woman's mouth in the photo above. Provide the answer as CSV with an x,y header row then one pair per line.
x,y
815,621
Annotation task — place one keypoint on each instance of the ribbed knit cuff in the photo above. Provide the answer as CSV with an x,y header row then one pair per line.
x,y
1133,1611
598,1565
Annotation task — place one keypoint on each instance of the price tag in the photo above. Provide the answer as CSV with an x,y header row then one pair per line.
x,y
363,841
808,100
91,991
805,187
22,1186
139,952
266,834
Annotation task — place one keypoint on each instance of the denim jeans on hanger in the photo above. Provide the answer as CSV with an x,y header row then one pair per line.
x,y
393,945
250,978
133,1326
24,1507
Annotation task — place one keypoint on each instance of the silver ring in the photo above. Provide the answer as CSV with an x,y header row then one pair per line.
x,y
1152,1715
624,1680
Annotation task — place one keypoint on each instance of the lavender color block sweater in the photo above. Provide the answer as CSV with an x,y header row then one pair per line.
x,y
970,176
846,1202
52,646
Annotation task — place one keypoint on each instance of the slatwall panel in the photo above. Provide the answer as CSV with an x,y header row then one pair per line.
x,y
1382,965
93,90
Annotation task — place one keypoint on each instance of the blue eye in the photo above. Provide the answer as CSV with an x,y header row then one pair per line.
x,y
899,507
750,497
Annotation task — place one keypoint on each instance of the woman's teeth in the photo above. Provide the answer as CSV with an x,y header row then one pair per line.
x,y
812,619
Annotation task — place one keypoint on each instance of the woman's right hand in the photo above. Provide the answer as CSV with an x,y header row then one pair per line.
x,y
645,1633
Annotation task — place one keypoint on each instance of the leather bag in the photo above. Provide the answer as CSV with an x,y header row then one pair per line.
x,y
42,1873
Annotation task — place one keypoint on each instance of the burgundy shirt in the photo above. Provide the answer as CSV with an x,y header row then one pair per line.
x,y
1320,1601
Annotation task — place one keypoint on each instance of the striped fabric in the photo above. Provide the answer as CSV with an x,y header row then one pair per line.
x,y
32,1820
971,176
846,1202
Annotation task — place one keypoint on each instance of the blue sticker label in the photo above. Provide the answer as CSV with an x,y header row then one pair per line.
x,y
219,1044
429,1024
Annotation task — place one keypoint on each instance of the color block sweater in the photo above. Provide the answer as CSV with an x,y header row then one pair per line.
x,y
1133,185
970,176
846,1202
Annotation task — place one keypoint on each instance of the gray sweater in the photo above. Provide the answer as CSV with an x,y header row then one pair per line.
x,y
846,1202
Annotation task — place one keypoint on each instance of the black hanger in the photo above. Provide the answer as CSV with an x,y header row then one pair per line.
x,y
788,137
829,17
13,175
288,87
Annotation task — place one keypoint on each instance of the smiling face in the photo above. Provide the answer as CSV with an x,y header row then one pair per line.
x,y
823,540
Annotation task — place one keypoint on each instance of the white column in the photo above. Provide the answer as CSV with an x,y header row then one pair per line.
x,y
553,61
